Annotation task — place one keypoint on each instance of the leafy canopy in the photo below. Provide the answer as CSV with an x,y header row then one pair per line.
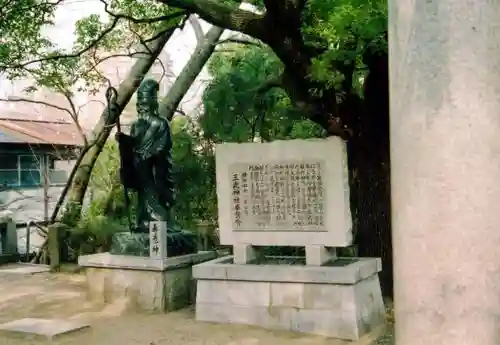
x,y
237,109
25,51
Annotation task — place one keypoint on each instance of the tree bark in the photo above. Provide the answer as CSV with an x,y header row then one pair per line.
x,y
370,171
204,49
102,129
224,15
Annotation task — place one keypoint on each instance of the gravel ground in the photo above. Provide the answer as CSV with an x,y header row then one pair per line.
x,y
47,295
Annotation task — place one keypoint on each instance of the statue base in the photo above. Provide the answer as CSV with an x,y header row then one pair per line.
x,y
179,242
129,243
144,284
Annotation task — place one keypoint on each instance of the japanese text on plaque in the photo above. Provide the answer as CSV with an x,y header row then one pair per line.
x,y
155,243
277,197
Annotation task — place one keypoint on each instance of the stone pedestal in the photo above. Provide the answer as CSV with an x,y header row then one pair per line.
x,y
343,301
149,284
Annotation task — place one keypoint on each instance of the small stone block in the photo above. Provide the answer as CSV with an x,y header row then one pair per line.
x,y
319,255
244,253
42,327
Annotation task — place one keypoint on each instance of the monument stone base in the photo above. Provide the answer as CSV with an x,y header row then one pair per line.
x,y
147,284
341,299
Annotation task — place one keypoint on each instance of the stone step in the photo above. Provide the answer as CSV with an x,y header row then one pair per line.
x,y
48,328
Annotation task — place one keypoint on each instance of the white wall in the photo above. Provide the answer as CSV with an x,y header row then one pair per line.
x,y
24,205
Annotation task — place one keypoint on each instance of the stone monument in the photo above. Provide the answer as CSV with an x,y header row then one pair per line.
x,y
150,264
288,193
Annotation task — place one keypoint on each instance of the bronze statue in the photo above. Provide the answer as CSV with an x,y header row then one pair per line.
x,y
146,159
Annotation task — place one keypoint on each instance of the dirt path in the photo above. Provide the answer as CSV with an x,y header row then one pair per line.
x,y
47,295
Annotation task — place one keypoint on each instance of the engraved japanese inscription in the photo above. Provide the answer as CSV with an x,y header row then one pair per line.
x,y
277,196
155,243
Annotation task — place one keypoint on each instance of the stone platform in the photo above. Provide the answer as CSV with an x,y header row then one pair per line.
x,y
149,284
341,300
48,328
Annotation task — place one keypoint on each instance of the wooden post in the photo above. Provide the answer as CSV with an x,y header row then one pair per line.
x,y
45,176
56,233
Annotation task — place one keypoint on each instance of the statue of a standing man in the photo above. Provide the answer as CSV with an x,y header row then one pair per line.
x,y
149,159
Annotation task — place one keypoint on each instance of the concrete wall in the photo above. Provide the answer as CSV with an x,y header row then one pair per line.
x,y
28,204
343,302
144,290
147,284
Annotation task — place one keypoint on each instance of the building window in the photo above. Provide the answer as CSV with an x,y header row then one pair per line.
x,y
20,170
30,167
9,172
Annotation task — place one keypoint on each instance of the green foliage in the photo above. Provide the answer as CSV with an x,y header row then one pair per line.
x,y
20,27
26,53
194,179
194,175
105,213
344,29
238,109
141,11
105,189
340,30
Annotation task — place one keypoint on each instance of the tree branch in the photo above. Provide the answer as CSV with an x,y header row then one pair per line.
x,y
198,31
67,56
141,20
185,79
80,107
74,116
244,41
224,15
27,100
91,45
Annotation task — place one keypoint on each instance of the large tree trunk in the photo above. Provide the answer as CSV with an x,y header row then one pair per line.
x,y
102,129
370,171
204,49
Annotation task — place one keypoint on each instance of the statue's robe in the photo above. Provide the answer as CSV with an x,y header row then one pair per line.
x,y
152,161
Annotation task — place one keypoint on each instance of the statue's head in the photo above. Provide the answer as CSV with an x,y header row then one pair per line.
x,y
147,97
